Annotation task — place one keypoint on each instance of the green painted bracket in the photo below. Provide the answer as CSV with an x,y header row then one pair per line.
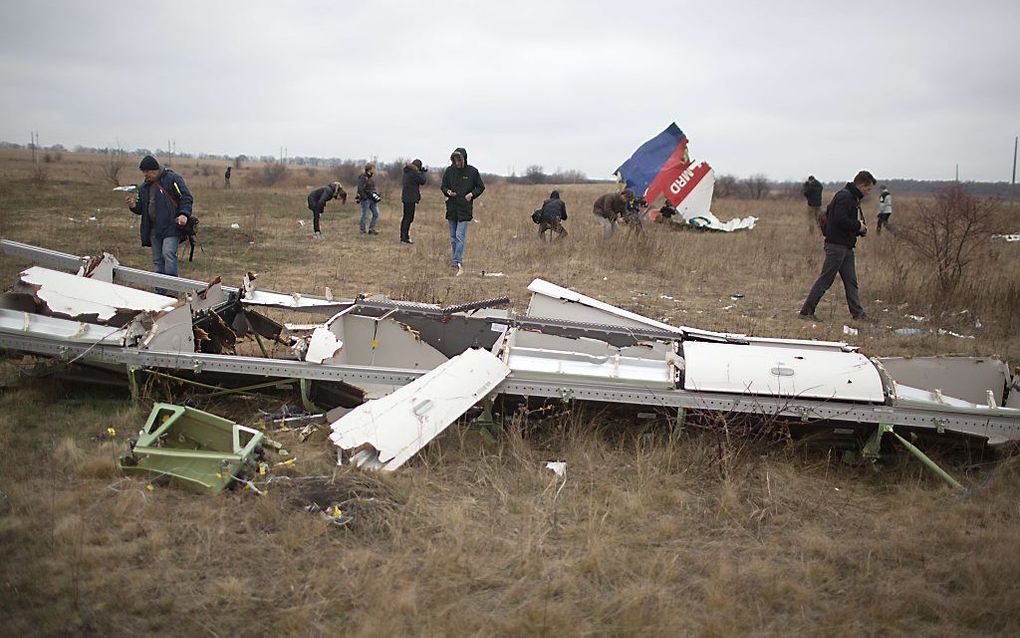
x,y
874,443
306,398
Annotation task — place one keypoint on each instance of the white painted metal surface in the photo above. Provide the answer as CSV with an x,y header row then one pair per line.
x,y
15,321
72,296
782,372
967,378
536,355
385,433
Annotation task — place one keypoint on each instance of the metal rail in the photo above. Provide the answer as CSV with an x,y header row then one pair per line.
x,y
996,428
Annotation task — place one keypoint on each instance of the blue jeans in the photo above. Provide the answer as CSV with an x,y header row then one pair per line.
x,y
366,205
164,253
458,237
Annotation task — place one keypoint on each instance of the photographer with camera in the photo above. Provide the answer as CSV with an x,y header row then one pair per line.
x,y
164,203
415,176
369,199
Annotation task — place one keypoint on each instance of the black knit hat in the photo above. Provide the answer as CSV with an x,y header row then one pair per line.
x,y
149,163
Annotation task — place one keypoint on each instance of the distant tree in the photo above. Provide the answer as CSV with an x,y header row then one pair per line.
x,y
534,175
725,186
114,161
756,186
269,174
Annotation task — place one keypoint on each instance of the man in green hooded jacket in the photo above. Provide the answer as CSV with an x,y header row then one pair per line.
x,y
461,186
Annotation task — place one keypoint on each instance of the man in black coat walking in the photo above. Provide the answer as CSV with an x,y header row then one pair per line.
x,y
415,176
812,192
842,223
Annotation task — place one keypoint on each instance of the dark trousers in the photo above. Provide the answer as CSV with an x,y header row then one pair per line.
x,y
883,220
405,221
838,259
316,212
550,226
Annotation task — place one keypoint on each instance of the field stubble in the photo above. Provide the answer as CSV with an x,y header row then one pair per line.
x,y
654,530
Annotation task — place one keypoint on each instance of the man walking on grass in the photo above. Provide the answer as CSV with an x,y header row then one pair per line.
x,y
164,203
842,223
461,186
812,192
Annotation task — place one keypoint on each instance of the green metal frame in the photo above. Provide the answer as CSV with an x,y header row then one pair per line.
x,y
201,450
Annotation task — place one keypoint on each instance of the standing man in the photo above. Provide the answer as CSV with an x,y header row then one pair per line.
x,y
884,210
461,186
226,178
317,202
812,192
842,224
164,202
609,208
369,199
554,213
415,176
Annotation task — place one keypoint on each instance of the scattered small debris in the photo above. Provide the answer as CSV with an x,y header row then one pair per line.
x,y
737,295
916,318
847,330
301,223
943,331
492,274
1011,237
908,332
558,467
235,226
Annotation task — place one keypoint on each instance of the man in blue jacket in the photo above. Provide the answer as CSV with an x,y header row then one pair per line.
x,y
461,186
164,202
842,223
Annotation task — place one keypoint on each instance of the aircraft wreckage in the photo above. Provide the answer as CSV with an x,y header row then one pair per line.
x,y
405,370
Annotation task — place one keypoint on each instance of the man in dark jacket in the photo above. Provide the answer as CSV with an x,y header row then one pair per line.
x,y
554,212
369,199
610,208
842,224
812,192
164,202
461,186
415,176
317,202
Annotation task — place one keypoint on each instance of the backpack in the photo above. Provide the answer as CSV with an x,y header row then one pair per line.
x,y
537,216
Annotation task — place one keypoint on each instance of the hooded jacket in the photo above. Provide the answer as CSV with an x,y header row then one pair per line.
x,y
843,217
813,192
885,203
461,181
554,209
414,179
167,211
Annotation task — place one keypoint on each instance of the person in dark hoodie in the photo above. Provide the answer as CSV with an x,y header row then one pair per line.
x,y
812,192
317,200
415,176
164,203
554,212
461,186
842,223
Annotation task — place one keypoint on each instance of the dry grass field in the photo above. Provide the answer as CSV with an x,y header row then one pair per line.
x,y
656,531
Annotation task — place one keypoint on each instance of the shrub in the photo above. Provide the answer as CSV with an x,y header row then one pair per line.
x,y
949,233
269,174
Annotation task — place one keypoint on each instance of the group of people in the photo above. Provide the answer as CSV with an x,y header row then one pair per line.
x,y
165,205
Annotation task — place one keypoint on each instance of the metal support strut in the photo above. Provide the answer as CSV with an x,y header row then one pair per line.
x,y
874,443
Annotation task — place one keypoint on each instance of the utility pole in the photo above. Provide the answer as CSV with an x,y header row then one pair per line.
x,y
1012,187
957,172
34,135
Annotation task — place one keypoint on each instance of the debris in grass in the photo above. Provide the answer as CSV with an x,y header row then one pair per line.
x,y
847,330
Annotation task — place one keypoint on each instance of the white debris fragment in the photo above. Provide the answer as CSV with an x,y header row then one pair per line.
x,y
729,307
492,274
943,331
235,226
847,330
1011,237
916,318
558,467
301,223
383,434
665,297
324,345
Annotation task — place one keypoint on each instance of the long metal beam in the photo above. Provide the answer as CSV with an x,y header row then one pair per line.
x,y
996,428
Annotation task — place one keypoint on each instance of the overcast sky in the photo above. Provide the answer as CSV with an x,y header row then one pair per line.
x,y
905,89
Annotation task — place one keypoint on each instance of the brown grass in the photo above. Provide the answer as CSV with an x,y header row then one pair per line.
x,y
655,531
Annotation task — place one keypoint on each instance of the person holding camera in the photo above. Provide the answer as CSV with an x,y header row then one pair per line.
x,y
317,200
164,203
609,208
462,184
369,199
842,223
415,176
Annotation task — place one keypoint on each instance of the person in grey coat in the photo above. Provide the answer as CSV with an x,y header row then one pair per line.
x,y
317,202
884,210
